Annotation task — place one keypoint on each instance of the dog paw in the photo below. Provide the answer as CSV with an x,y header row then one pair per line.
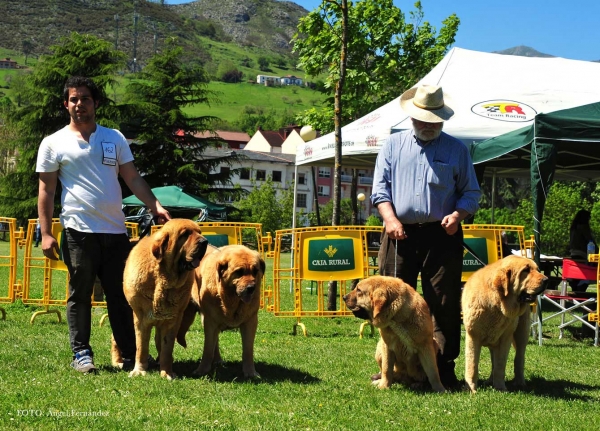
x,y
169,376
135,373
382,384
251,375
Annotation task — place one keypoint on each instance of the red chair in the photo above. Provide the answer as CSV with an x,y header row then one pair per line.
x,y
569,303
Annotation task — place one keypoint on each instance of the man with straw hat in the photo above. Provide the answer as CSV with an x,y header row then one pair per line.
x,y
424,185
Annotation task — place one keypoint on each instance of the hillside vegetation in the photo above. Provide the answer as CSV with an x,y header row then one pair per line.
x,y
249,38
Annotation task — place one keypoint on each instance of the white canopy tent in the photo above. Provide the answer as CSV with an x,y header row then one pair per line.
x,y
491,94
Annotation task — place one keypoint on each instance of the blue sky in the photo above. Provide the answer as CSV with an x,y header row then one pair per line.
x,y
556,27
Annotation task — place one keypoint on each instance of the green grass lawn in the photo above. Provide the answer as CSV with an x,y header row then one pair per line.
x,y
319,382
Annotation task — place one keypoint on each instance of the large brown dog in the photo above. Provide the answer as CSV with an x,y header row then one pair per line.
x,y
495,304
406,351
227,292
157,282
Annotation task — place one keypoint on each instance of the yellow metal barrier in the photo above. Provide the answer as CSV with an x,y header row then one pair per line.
x,y
484,244
132,230
318,255
55,274
594,317
8,263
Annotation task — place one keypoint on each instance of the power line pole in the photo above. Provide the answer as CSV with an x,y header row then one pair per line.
x,y
117,31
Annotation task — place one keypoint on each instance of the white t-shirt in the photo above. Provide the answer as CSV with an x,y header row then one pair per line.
x,y
91,193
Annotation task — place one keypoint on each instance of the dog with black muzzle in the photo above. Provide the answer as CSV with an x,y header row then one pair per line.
x,y
496,303
157,282
227,294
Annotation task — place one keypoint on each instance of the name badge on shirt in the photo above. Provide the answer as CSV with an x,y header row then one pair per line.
x,y
109,154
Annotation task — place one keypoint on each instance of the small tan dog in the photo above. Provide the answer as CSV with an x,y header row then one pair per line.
x,y
227,293
496,301
157,283
406,351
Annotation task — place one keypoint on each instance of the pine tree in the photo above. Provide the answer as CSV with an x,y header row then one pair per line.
x,y
43,113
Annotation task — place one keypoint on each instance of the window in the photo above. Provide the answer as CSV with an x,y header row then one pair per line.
x,y
324,173
301,178
277,176
261,175
244,174
225,170
323,191
301,200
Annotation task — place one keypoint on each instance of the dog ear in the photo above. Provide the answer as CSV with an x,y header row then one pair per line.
x,y
160,244
221,268
262,266
379,299
501,281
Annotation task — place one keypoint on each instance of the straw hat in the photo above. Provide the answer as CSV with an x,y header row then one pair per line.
x,y
426,103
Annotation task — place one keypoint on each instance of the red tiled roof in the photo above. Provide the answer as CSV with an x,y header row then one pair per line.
x,y
227,136
273,138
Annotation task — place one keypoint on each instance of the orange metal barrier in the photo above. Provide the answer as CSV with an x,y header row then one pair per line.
x,y
318,255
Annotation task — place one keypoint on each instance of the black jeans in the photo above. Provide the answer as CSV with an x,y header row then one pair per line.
x,y
87,255
437,256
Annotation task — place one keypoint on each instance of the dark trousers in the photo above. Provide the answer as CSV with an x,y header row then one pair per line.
x,y
437,256
88,255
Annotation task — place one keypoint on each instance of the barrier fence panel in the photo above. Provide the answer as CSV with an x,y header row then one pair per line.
x,y
483,245
318,256
8,261
46,281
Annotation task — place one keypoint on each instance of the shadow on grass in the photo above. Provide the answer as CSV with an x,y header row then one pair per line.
x,y
232,371
559,389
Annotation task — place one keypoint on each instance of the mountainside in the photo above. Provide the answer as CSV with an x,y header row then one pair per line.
x,y
270,24
38,24
523,51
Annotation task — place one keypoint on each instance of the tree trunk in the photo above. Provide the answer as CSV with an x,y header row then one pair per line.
x,y
337,178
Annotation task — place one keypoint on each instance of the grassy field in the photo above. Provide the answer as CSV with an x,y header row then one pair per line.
x,y
234,97
319,382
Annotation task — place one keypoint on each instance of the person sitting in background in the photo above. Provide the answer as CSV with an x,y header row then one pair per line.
x,y
506,248
580,236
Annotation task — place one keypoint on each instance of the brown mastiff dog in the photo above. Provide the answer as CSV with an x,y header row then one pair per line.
x,y
157,282
406,351
495,302
227,293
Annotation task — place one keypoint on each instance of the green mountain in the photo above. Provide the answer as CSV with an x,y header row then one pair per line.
x,y
140,26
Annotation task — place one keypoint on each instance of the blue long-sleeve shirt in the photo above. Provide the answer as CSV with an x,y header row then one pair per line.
x,y
425,183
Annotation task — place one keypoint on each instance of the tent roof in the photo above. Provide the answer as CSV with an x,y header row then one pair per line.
x,y
491,94
575,133
175,197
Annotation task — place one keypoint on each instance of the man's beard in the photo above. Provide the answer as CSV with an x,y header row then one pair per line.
x,y
427,134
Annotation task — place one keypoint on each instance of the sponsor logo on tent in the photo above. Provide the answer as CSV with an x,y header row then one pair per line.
x,y
308,151
504,110
332,145
371,141
370,118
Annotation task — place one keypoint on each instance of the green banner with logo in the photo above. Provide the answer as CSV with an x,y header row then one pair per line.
x,y
327,255
479,247
218,240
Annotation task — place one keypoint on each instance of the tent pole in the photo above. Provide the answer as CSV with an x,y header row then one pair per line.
x,y
493,192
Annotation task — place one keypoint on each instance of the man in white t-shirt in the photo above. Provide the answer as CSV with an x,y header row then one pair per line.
x,y
88,159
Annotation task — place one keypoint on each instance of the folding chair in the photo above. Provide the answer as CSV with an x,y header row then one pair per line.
x,y
569,303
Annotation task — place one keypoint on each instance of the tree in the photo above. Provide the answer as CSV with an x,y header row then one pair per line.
x,y
386,53
263,63
43,112
170,152
269,205
228,72
26,48
253,117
